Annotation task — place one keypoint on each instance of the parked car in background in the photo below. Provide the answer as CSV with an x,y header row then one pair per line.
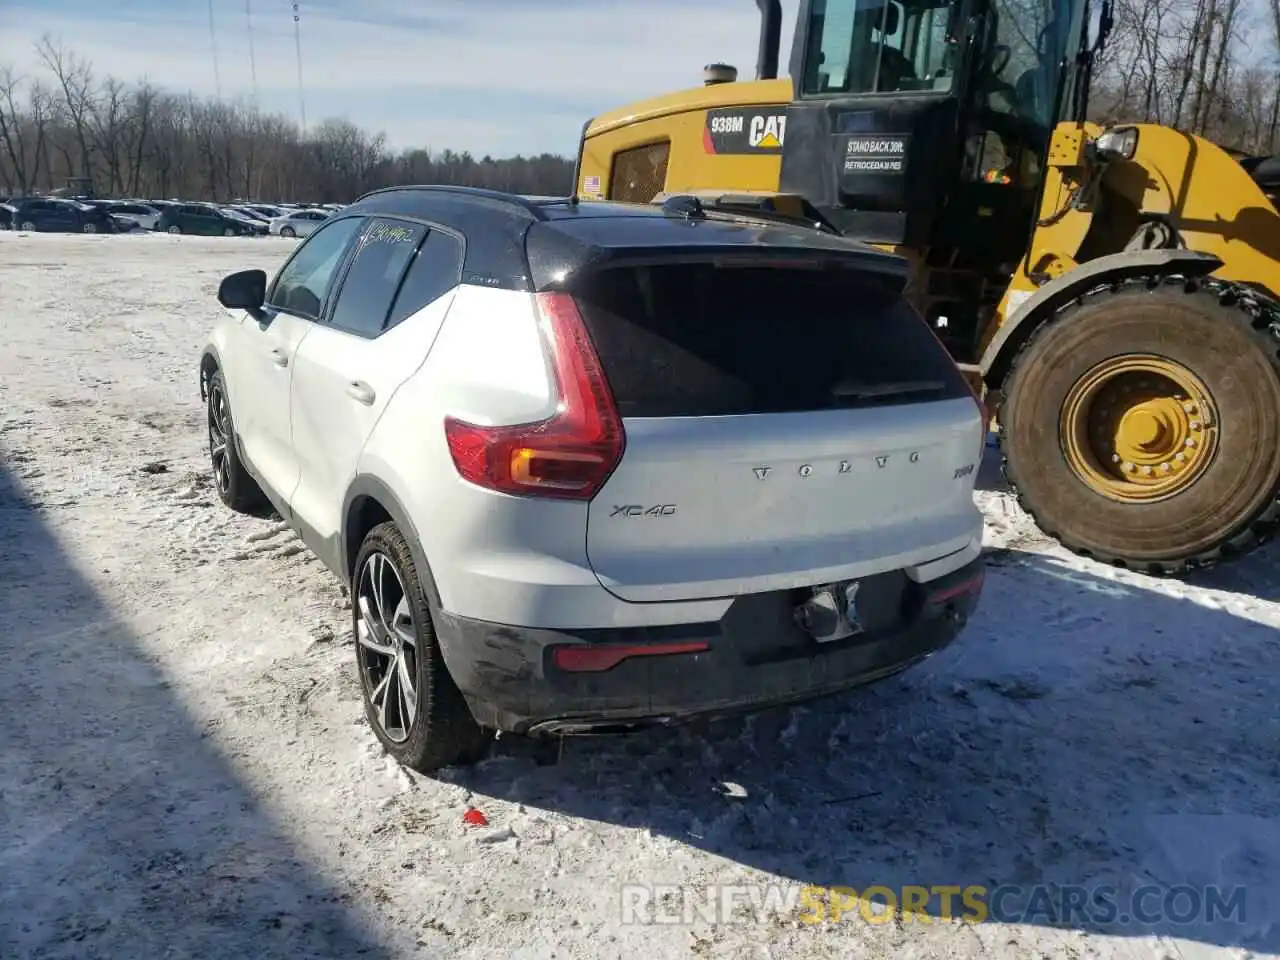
x,y
582,467
249,212
299,223
205,220
258,224
54,215
142,214
267,210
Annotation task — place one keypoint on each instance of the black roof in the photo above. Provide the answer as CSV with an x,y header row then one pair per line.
x,y
533,243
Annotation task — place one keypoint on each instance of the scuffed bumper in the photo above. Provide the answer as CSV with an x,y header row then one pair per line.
x,y
755,656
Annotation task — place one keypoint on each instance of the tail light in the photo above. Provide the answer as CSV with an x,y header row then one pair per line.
x,y
571,454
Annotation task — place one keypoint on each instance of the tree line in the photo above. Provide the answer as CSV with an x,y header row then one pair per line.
x,y
137,140
1209,67
1182,63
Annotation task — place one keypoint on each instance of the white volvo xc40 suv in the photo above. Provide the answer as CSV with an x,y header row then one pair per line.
x,y
592,465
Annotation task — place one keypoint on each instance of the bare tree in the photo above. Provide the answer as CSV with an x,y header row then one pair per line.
x,y
75,79
12,122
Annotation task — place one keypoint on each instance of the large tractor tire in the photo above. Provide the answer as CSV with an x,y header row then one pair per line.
x,y
1141,425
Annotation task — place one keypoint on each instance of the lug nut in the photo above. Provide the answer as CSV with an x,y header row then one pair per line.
x,y
1129,468
1180,457
1195,424
1115,458
1189,407
1191,441
1165,468
1146,471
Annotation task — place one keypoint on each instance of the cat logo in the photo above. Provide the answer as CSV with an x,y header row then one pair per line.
x,y
768,132
745,131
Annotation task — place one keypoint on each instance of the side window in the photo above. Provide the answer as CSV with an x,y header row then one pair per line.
x,y
878,46
303,282
435,271
382,254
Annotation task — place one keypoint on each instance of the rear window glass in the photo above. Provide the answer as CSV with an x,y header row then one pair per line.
x,y
685,340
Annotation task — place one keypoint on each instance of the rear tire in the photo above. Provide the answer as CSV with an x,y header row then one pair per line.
x,y
28,226
90,228
288,232
236,488
429,726
175,230
228,232
1228,338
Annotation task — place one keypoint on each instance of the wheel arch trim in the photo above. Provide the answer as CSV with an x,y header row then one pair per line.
x,y
210,352
369,486
998,356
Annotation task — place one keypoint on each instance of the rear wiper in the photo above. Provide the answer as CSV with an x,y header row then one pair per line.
x,y
857,390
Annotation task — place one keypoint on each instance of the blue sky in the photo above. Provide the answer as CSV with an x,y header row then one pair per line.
x,y
489,76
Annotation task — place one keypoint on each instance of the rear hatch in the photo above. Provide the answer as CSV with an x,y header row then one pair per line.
x,y
789,420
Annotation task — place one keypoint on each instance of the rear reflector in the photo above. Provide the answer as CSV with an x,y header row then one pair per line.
x,y
598,657
950,592
569,455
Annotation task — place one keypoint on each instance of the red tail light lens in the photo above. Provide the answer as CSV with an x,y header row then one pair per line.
x,y
569,455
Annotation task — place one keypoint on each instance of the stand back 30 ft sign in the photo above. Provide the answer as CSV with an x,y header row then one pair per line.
x,y
745,130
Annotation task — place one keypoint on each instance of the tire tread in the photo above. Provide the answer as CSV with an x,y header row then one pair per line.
x,y
1256,311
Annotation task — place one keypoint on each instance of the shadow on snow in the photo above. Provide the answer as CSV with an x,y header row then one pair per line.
x,y
123,832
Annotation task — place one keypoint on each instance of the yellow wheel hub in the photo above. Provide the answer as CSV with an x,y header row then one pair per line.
x,y
1138,428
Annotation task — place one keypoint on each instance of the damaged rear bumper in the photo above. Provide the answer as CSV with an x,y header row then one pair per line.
x,y
522,680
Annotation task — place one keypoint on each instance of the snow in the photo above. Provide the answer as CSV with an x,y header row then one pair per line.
x,y
185,770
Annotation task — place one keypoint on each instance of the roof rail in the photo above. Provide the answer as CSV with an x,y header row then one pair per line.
x,y
524,204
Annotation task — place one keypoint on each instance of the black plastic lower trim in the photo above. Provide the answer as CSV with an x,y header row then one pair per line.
x,y
756,657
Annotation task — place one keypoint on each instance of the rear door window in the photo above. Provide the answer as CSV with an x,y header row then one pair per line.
x,y
434,272
697,339
383,253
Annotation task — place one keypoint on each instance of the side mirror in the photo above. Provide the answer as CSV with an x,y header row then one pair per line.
x,y
246,290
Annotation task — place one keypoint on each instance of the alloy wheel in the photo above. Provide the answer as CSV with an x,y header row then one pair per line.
x,y
387,646
219,438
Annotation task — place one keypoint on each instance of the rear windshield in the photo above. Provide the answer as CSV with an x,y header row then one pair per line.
x,y
696,340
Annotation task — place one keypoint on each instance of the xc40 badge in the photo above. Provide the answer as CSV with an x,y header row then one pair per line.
x,y
639,510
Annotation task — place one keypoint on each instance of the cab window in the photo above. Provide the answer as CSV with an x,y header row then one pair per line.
x,y
878,46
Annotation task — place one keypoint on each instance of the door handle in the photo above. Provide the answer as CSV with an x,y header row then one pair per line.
x,y
279,358
359,390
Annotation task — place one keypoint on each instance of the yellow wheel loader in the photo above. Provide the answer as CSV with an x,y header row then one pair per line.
x,y
1113,290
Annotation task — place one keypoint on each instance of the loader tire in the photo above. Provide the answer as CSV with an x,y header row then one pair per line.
x,y
1226,339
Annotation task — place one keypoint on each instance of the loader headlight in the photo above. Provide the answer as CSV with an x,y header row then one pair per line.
x,y
1118,143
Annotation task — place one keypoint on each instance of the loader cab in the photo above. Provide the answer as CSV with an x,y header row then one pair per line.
x,y
925,122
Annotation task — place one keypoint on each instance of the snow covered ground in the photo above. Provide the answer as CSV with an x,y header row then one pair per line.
x,y
185,770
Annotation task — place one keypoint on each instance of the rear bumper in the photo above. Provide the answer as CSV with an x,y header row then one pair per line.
x,y
755,656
